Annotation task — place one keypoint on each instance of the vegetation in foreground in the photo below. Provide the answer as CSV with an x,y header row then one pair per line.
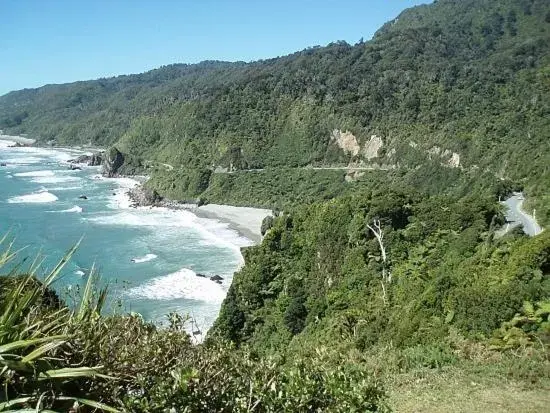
x,y
372,301
383,297
46,350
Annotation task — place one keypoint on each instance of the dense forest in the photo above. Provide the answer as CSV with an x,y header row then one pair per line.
x,y
384,280
465,82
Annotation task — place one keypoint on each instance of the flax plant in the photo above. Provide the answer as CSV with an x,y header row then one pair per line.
x,y
35,374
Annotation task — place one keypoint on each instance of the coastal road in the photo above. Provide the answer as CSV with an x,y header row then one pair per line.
x,y
316,168
516,216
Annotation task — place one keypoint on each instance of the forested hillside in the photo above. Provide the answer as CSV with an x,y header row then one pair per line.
x,y
465,82
385,279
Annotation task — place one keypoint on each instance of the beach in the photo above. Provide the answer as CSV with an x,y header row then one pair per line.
x,y
151,257
245,220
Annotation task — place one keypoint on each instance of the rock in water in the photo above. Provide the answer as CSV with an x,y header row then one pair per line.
x,y
96,159
112,162
216,278
80,159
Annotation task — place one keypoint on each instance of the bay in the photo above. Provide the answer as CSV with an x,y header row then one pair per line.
x,y
149,257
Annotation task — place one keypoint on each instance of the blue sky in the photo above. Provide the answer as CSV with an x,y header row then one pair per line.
x,y
57,41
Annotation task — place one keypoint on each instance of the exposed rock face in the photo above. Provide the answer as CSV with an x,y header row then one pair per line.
x,y
350,144
267,224
141,196
80,159
372,147
346,141
454,162
112,162
216,278
452,158
96,159
93,160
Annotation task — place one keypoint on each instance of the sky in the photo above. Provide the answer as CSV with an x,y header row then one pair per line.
x,y
58,41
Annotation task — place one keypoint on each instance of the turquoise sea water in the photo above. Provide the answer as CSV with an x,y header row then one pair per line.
x,y
148,256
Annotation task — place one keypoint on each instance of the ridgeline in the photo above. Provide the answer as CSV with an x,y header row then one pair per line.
x,y
383,278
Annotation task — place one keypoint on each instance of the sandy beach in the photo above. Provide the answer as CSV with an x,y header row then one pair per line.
x,y
247,221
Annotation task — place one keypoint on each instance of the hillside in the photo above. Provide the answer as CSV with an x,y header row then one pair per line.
x,y
462,82
384,280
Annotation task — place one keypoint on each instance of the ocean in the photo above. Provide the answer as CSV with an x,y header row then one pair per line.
x,y
149,257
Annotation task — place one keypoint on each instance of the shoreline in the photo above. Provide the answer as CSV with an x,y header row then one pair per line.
x,y
246,221
17,139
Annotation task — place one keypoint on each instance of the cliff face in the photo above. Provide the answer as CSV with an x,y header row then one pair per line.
x,y
112,162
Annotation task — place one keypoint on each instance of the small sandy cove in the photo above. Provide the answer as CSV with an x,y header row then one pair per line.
x,y
245,220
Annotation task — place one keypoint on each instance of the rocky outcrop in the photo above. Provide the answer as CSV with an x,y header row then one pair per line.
x,y
141,196
80,159
346,141
95,159
372,146
216,278
267,224
452,159
112,162
351,146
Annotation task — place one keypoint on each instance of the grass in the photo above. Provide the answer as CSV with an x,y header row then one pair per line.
x,y
479,380
466,388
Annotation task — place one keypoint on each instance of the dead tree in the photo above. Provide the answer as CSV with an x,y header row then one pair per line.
x,y
376,229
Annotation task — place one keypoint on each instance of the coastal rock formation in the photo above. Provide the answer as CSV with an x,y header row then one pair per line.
x,y
112,162
95,159
216,278
142,196
267,224
80,159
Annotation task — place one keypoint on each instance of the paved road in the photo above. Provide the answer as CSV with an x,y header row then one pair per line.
x,y
517,216
316,168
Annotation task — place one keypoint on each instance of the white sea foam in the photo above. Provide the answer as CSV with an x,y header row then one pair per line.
x,y
64,188
6,144
80,273
165,221
55,179
76,208
36,197
148,257
212,231
23,160
181,284
35,173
